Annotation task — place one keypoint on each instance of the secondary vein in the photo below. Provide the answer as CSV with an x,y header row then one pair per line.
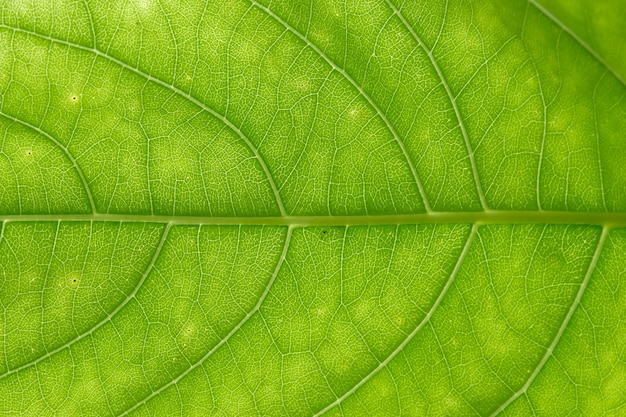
x,y
234,330
559,333
425,320
108,318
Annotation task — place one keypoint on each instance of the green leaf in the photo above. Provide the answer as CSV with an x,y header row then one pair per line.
x,y
599,26
367,207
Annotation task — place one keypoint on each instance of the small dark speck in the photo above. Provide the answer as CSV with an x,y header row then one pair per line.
x,y
324,231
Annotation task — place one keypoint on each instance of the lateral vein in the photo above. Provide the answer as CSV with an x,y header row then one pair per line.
x,y
559,333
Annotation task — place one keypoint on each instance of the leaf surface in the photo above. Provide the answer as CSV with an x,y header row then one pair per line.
x,y
312,208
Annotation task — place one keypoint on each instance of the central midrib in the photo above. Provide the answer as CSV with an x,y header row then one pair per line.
x,y
482,217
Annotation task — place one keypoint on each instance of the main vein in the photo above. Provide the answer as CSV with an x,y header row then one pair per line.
x,y
604,219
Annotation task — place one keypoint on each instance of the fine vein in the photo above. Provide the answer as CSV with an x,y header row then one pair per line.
x,y
362,92
425,320
457,112
234,330
108,318
559,333
574,36
67,153
176,91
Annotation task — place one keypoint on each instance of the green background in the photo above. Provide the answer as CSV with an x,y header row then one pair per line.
x,y
367,207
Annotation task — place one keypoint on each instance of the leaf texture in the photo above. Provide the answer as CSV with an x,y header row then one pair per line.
x,y
312,208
